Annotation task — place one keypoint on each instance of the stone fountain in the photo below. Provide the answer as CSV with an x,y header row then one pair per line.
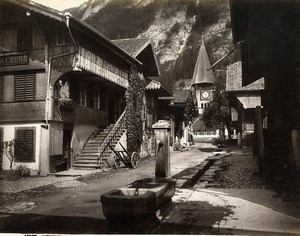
x,y
135,207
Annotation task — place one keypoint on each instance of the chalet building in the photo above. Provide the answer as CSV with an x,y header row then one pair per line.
x,y
182,108
153,109
243,101
268,34
156,107
203,83
62,86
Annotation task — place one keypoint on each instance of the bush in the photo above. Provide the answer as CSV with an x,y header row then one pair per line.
x,y
22,171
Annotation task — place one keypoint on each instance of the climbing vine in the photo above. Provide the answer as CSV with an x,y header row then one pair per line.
x,y
134,106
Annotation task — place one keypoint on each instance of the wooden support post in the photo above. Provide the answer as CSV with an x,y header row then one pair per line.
x,y
259,139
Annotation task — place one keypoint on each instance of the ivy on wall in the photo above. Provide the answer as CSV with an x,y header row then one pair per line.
x,y
133,116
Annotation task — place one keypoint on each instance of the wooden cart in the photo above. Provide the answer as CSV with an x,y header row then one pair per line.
x,y
122,156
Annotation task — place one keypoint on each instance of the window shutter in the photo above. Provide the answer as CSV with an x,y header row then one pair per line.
x,y
24,146
19,87
30,87
25,87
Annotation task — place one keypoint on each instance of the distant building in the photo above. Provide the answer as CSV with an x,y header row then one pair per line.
x,y
243,100
182,107
203,82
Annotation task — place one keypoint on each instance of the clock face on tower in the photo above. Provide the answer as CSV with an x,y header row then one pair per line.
x,y
205,94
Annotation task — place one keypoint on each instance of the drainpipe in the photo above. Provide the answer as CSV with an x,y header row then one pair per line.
x,y
49,109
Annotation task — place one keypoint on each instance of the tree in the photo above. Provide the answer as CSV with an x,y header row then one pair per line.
x,y
217,114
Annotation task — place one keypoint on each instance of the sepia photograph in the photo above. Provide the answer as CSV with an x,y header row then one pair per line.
x,y
149,117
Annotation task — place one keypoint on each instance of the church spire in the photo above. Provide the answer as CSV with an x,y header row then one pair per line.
x,y
201,73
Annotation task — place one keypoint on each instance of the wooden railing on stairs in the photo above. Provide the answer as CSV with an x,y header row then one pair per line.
x,y
120,124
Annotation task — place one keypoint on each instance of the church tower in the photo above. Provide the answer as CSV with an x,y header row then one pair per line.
x,y
203,79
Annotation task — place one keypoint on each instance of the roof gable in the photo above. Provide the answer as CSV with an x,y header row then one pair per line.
x,y
142,49
134,46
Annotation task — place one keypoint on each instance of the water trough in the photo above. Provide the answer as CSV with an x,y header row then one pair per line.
x,y
134,208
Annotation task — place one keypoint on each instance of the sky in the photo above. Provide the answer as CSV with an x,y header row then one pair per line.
x,y
60,4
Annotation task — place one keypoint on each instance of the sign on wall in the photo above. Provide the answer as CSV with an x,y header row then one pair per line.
x,y
14,60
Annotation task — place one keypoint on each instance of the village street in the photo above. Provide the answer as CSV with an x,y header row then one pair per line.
x,y
72,205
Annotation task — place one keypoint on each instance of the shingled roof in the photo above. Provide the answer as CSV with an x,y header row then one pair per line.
x,y
132,45
181,96
141,49
234,79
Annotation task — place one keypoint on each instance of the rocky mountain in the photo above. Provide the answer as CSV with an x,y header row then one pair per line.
x,y
175,27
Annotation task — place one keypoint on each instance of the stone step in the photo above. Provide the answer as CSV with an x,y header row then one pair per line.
x,y
91,144
88,155
84,161
90,150
85,168
88,166
102,137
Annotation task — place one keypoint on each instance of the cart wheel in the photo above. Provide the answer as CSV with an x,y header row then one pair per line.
x,y
134,160
117,163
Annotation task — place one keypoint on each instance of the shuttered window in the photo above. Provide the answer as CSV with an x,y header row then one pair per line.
x,y
25,87
24,146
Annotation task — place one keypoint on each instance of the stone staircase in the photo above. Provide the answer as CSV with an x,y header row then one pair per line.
x,y
96,151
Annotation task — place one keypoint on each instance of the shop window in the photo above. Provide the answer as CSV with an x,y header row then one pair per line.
x,y
82,95
24,87
62,35
96,98
24,146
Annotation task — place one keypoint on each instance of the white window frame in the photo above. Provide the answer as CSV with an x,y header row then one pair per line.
x,y
96,98
82,94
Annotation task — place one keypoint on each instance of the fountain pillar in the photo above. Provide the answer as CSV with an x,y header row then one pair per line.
x,y
162,148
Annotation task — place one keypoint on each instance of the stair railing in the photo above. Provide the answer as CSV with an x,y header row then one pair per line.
x,y
110,137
